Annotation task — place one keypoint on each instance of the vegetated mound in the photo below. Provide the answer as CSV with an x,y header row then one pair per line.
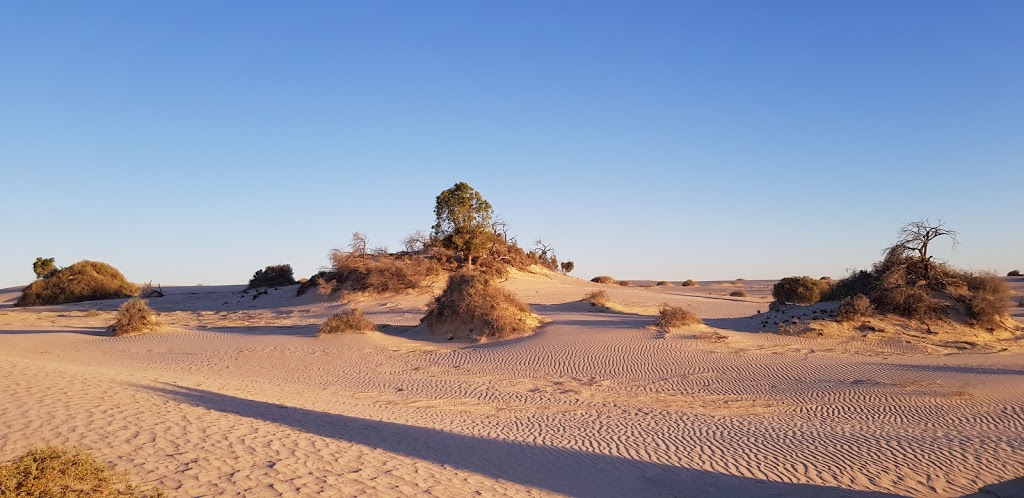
x,y
603,279
134,317
739,293
473,305
82,281
351,320
373,273
670,317
689,283
66,473
273,276
598,298
800,290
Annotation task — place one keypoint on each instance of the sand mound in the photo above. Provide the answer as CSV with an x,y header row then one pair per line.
x,y
473,305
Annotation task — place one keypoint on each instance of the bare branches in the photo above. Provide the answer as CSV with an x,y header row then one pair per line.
x,y
148,291
917,235
358,245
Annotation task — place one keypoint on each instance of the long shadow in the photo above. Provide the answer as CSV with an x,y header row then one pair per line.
x,y
559,470
954,369
289,330
93,331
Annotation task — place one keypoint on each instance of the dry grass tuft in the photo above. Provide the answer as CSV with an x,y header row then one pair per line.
x,y
66,473
603,279
689,283
351,320
854,308
670,317
134,317
82,281
380,273
473,305
739,293
664,283
598,298
625,283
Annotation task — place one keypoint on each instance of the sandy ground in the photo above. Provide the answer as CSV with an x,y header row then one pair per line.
x,y
237,396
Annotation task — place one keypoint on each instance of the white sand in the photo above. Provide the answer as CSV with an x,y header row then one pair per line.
x,y
238,397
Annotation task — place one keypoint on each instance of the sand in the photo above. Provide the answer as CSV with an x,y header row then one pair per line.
x,y
238,397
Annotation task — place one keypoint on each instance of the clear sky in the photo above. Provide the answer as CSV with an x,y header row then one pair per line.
x,y
194,142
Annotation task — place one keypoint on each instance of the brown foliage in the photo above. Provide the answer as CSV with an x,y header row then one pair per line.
x,y
854,308
739,293
800,290
82,281
351,320
674,316
66,473
597,298
134,317
377,273
474,305
603,279
664,283
689,283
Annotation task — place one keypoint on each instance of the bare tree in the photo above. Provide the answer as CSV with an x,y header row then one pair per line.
x,y
358,245
916,236
149,291
416,241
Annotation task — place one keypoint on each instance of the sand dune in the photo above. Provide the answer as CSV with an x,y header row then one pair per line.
x,y
237,396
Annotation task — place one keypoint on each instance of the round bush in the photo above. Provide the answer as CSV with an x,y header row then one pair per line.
x,y
82,281
799,290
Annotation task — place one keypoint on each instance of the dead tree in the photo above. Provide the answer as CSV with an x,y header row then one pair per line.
x,y
916,236
148,290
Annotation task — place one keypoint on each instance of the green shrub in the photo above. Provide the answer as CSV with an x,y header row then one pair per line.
x,y
739,293
799,290
474,305
66,473
603,279
1014,273
854,308
82,281
134,317
351,320
43,267
673,316
273,276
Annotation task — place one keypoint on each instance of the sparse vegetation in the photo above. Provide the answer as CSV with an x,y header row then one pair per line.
x,y
689,283
603,279
82,281
134,317
670,317
149,291
378,273
473,305
43,267
739,293
568,267
53,472
597,298
1014,273
273,276
625,283
664,283
351,320
799,290
854,308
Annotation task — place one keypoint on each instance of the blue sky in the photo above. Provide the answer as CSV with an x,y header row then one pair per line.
x,y
196,142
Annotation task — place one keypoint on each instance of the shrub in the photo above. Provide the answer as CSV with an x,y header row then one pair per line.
x,y
1013,273
473,305
799,290
310,283
134,317
43,267
988,300
273,276
739,293
351,320
82,281
689,283
597,298
379,273
603,279
625,283
674,316
66,473
664,283
854,308
568,267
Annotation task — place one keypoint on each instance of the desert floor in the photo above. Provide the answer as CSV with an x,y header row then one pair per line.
x,y
237,396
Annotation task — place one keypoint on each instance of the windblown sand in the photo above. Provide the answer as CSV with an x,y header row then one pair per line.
x,y
238,396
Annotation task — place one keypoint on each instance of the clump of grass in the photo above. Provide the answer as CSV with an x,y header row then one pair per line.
x,y
134,317
380,273
625,283
273,276
800,290
689,283
603,279
854,308
597,298
739,293
473,305
664,283
670,317
351,320
82,281
66,473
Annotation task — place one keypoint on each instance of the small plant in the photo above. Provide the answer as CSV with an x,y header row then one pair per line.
x,y
597,298
149,291
664,283
568,267
273,276
66,473
689,283
799,290
988,299
739,293
854,308
603,279
673,317
1012,273
625,283
134,317
351,320
44,267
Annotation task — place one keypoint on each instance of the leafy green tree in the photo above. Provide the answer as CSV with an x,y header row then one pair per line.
x,y
43,267
463,221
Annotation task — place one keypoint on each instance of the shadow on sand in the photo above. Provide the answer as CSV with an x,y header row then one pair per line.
x,y
549,468
93,331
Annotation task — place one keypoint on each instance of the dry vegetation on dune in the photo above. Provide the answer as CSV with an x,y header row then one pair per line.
x,y
473,305
598,298
273,276
670,317
351,320
134,317
603,279
82,281
66,473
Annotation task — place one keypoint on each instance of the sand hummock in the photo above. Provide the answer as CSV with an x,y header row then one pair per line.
x,y
237,396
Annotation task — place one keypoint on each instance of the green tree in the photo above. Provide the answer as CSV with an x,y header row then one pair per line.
x,y
43,267
463,221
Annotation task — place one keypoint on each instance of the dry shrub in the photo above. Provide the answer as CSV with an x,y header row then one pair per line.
x,y
378,273
988,299
626,283
739,293
82,281
673,317
474,305
66,473
664,283
603,279
799,290
854,308
134,317
351,320
273,276
689,283
1013,273
598,298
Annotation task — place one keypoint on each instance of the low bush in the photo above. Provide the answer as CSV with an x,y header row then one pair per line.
x,y
1013,273
625,283
66,473
351,320
473,305
597,298
382,273
854,308
273,276
673,317
603,279
664,283
82,281
689,283
799,290
739,293
134,317
988,299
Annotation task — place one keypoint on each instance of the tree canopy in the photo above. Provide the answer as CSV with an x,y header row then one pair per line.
x,y
463,220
